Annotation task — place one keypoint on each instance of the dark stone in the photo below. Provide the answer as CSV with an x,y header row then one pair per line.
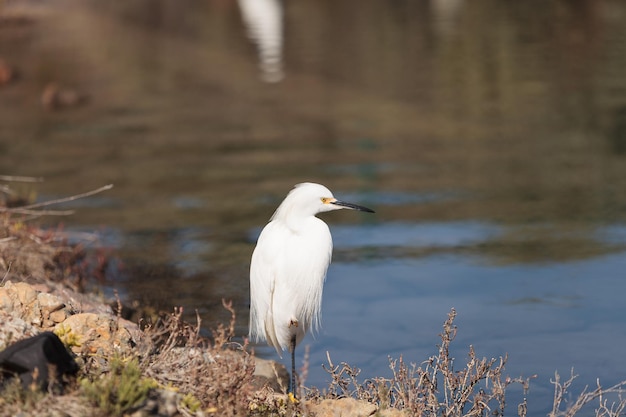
x,y
41,360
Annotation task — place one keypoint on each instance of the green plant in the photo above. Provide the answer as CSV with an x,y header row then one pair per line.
x,y
67,336
120,389
266,403
191,403
14,394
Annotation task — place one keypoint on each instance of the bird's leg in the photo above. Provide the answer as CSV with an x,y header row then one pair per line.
x,y
292,349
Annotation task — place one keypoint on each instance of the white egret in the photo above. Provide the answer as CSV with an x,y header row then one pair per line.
x,y
288,269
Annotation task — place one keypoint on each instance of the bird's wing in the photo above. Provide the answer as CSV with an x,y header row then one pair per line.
x,y
262,285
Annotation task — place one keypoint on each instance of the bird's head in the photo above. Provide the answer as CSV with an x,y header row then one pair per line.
x,y
308,199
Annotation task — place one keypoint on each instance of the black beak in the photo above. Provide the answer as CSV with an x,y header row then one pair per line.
x,y
352,206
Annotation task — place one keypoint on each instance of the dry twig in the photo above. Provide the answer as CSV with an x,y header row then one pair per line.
x,y
435,388
17,178
28,209
585,397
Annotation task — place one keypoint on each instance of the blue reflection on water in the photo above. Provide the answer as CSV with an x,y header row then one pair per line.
x,y
546,317
613,234
443,234
396,198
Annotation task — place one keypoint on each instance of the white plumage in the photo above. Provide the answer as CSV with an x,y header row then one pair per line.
x,y
288,268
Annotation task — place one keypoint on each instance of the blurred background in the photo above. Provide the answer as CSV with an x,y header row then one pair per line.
x,y
489,136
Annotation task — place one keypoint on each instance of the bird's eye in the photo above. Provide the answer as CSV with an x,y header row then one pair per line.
x,y
325,200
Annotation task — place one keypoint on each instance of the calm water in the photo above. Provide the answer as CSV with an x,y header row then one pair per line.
x,y
489,136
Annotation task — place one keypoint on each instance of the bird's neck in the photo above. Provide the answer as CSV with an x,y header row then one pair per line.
x,y
297,223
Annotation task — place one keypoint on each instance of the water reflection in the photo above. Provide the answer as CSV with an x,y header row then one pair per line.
x,y
374,309
264,22
447,235
445,15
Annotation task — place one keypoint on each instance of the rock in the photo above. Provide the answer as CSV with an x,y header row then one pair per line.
x,y
40,361
344,407
90,332
160,402
97,333
58,316
20,299
6,300
268,373
168,402
14,328
35,307
7,73
55,98
49,302
25,293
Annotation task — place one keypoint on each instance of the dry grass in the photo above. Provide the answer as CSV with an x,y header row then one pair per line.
x,y
605,408
214,376
172,364
435,388
216,373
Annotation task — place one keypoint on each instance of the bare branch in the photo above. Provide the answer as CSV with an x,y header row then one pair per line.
x,y
70,198
20,210
28,209
585,397
6,274
17,178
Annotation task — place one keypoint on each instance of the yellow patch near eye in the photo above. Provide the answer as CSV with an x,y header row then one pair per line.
x,y
327,200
